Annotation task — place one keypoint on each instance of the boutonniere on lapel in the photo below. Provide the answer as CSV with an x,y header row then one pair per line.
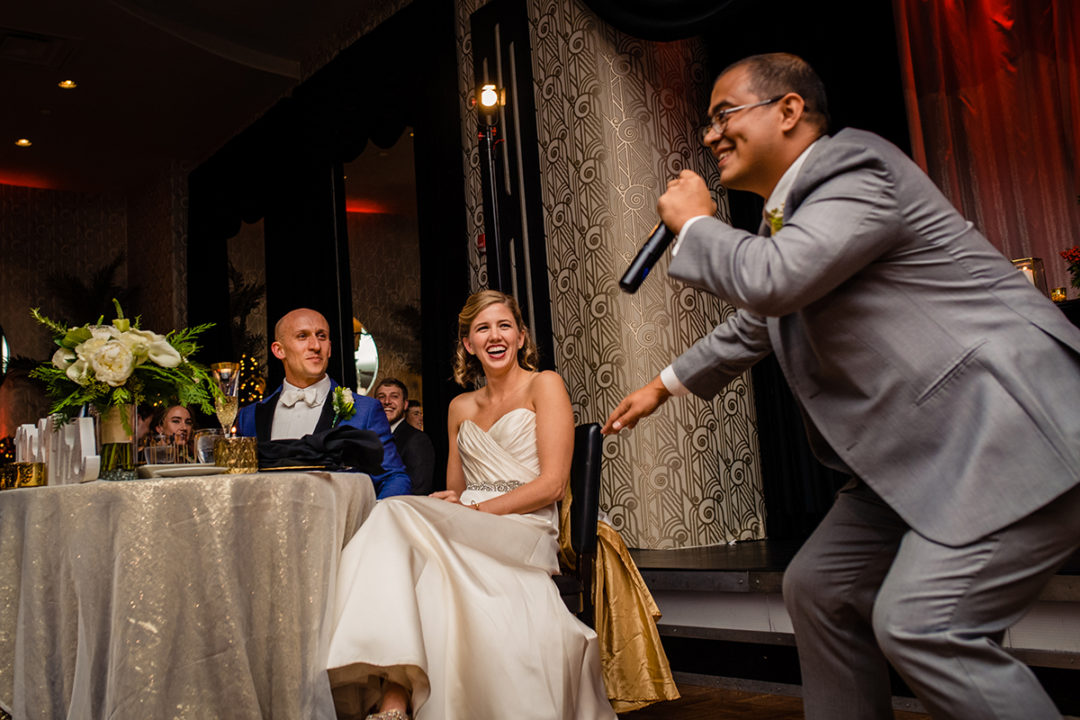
x,y
775,218
343,405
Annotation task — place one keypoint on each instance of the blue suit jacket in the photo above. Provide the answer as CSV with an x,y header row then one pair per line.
x,y
257,419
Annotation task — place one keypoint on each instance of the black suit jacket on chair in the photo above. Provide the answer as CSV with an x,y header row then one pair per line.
x,y
416,450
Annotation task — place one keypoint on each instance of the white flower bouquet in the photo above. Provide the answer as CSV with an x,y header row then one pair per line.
x,y
110,366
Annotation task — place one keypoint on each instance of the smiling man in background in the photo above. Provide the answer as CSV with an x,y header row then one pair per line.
x,y
414,445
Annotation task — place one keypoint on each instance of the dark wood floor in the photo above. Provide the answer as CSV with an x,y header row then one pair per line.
x,y
708,703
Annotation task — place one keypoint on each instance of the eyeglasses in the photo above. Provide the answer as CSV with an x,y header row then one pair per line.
x,y
719,121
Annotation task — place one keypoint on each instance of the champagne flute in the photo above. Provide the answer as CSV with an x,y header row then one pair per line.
x,y
227,375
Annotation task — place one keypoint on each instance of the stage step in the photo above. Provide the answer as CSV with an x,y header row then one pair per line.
x,y
732,593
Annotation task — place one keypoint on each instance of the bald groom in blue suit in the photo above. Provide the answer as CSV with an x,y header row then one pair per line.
x,y
303,404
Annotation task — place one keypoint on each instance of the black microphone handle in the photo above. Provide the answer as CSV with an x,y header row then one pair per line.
x,y
647,256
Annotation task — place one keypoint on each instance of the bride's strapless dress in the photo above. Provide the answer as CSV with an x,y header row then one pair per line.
x,y
459,605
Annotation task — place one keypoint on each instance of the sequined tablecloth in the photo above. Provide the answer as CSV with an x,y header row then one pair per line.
x,y
201,597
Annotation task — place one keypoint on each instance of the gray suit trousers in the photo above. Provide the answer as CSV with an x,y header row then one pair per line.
x,y
865,589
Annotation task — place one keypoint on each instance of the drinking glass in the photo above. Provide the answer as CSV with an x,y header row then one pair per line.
x,y
205,439
160,451
227,375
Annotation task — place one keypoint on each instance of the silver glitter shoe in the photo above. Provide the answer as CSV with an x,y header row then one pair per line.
x,y
388,715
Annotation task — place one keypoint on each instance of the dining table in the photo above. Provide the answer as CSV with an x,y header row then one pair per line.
x,y
201,596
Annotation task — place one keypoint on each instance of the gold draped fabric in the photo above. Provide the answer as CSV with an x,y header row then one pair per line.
x,y
636,669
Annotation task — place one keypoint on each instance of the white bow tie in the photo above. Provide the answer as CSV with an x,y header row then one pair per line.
x,y
291,396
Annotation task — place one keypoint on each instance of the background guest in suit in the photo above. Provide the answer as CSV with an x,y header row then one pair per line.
x,y
414,414
147,417
413,445
301,405
925,366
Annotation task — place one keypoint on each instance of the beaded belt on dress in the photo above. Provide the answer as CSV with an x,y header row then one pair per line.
x,y
502,486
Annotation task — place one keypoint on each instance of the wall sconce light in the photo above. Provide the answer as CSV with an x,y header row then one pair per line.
x,y
488,100
489,97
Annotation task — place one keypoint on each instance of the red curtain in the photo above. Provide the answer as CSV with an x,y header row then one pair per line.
x,y
992,89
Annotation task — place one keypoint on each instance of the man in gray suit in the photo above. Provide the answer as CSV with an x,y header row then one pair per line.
x,y
925,365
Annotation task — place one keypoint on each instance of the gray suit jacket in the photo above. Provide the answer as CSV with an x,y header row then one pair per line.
x,y
924,363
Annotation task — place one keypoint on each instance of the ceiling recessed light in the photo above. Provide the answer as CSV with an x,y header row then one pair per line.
x,y
23,142
67,84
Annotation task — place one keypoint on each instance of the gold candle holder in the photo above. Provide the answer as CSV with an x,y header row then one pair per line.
x,y
31,474
237,454
1032,268
8,476
23,474
1058,294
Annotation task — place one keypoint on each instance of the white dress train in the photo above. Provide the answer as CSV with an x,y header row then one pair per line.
x,y
459,605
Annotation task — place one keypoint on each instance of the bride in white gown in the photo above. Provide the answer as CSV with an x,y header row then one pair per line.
x,y
445,603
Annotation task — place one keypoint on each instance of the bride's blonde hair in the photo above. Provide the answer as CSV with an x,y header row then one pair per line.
x,y
467,368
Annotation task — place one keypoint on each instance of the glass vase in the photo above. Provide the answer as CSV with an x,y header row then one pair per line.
x,y
116,442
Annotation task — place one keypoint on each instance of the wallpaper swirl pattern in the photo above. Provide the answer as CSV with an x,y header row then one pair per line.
x,y
474,190
617,119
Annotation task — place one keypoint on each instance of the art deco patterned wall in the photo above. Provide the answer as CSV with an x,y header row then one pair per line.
x,y
366,17
157,247
45,233
616,121
474,192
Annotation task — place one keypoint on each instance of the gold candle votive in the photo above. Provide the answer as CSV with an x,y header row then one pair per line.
x,y
237,454
30,474
8,476
1032,268
1058,294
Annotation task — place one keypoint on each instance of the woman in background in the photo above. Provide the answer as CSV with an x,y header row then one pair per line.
x,y
177,427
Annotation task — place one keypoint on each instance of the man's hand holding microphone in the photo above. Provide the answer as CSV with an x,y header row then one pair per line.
x,y
687,197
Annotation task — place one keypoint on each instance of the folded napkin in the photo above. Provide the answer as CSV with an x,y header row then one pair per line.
x,y
336,449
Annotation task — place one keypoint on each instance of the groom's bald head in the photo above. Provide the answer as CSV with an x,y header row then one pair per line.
x,y
302,343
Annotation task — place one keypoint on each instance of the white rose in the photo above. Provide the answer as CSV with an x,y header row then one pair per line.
x,y
104,332
113,363
79,372
62,358
164,354
138,342
87,350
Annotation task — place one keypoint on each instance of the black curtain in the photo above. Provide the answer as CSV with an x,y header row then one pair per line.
x,y
517,252
286,169
852,46
662,19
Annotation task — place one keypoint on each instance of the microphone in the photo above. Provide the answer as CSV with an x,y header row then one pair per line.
x,y
647,256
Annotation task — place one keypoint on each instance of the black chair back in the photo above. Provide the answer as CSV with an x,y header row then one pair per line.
x,y
585,487
577,588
